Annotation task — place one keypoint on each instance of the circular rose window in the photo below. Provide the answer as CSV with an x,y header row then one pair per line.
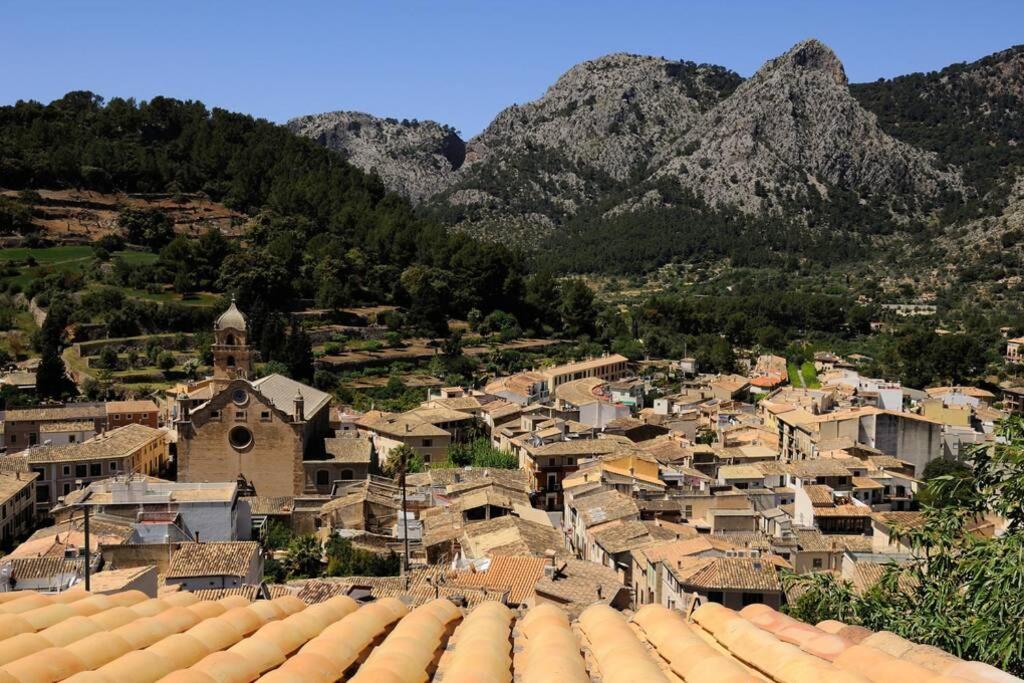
x,y
240,437
240,397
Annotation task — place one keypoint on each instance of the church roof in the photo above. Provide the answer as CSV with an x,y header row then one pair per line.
x,y
232,318
282,391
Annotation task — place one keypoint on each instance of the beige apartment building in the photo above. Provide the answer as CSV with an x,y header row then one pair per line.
x,y
607,368
134,448
17,505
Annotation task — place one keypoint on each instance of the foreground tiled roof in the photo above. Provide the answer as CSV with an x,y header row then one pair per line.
x,y
176,638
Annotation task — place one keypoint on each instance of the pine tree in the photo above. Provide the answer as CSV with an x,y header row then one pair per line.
x,y
51,377
299,354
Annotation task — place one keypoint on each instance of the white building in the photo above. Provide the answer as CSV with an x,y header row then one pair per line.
x,y
170,510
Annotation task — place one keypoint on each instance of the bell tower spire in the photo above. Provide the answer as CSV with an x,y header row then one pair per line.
x,y
232,356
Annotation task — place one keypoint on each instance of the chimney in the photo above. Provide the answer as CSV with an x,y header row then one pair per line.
x,y
300,404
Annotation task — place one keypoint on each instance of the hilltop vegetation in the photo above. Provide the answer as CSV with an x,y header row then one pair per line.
x,y
325,229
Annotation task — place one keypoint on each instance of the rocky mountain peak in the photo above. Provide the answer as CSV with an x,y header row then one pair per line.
x,y
810,55
791,132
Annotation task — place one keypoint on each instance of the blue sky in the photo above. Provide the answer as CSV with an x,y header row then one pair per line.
x,y
458,61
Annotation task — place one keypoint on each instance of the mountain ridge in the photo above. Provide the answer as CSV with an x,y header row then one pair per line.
x,y
629,134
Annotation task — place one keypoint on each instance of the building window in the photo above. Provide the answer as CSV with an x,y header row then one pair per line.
x,y
115,416
323,478
113,466
66,470
231,361
816,563
240,438
240,397
42,493
81,471
265,416
95,469
688,511
214,414
14,438
71,438
347,474
240,415
67,489
428,443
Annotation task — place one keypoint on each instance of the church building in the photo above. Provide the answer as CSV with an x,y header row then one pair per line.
x,y
261,429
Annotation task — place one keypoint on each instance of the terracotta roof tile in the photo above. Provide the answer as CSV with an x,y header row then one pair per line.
x,y
516,575
179,637
230,558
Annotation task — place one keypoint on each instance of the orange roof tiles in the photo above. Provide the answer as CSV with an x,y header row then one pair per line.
x,y
181,639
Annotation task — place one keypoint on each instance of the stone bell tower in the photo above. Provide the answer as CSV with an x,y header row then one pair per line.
x,y
232,357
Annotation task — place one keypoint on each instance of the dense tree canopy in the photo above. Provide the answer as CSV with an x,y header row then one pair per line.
x,y
325,230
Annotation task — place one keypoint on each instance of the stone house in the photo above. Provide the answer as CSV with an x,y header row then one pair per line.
x,y
195,566
22,426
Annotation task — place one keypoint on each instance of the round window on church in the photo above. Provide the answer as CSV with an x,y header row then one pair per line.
x,y
240,437
240,397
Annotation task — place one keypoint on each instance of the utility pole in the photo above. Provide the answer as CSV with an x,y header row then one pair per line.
x,y
404,464
85,508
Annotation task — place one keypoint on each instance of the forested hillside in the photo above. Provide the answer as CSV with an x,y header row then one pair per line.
x,y
321,228
968,114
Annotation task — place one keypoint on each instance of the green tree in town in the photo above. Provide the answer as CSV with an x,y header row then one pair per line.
x,y
402,460
344,559
299,354
480,453
276,535
304,559
51,377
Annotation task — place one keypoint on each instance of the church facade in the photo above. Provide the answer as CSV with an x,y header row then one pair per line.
x,y
261,430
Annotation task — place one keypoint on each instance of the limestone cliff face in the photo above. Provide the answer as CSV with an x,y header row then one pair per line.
x,y
592,133
612,134
414,158
794,129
